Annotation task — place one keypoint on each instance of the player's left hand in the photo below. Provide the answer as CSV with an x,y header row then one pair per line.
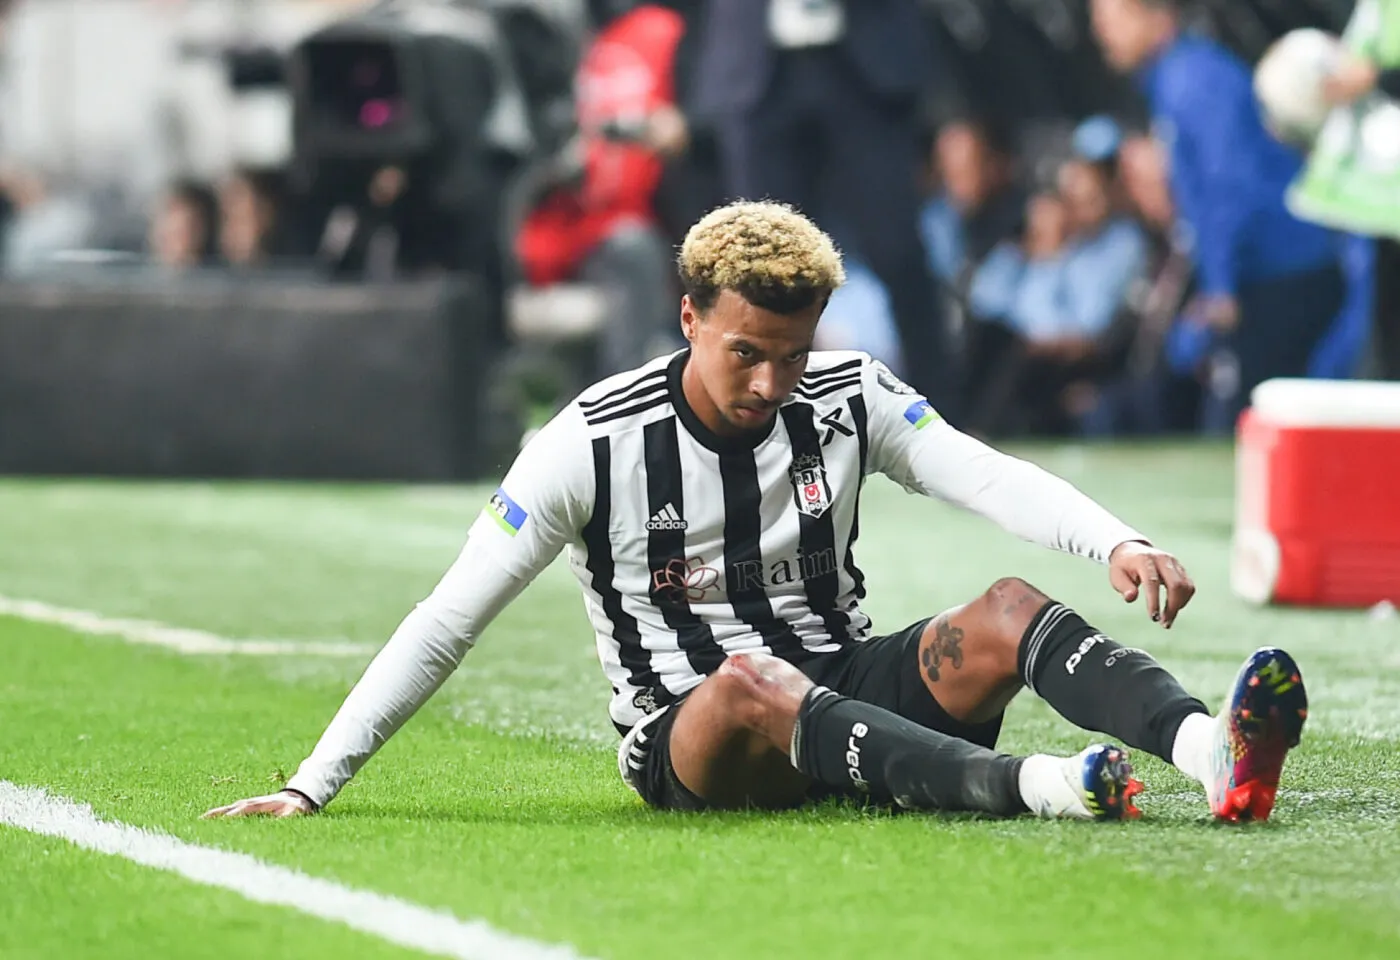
x,y
1136,568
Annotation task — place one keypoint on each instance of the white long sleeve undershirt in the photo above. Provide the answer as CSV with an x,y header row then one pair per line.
x,y
422,653
1016,495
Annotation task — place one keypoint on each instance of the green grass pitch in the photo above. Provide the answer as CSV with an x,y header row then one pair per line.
x,y
501,800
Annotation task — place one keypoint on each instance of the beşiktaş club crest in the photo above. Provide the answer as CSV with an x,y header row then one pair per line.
x,y
809,487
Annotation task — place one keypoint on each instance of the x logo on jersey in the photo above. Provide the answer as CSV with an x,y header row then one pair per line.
x,y
834,426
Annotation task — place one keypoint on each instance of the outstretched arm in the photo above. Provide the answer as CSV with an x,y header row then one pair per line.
x,y
420,656
921,452
539,508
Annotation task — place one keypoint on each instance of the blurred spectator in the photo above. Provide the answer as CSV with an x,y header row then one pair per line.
x,y
1044,336
1142,172
1149,395
816,103
1014,299
858,317
1270,284
605,230
182,231
44,220
974,204
1099,141
9,208
978,204
252,218
1020,278
693,183
1108,250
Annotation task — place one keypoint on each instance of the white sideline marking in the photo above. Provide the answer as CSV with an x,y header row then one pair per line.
x,y
179,639
397,921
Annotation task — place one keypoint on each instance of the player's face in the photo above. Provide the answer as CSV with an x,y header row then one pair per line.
x,y
744,360
1127,30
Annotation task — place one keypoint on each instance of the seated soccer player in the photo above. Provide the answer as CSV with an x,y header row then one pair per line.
x,y
709,502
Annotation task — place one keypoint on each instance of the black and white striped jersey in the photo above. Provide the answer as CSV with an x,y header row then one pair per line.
x,y
694,546
689,546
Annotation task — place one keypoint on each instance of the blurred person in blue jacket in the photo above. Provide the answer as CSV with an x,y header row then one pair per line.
x,y
1270,284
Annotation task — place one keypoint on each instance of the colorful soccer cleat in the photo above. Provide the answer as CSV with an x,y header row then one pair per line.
x,y
1095,784
1106,782
1261,721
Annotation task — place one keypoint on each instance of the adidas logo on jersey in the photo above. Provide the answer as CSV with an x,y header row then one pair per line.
x,y
666,519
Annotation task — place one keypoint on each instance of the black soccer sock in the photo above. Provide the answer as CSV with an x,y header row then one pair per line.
x,y
847,744
1099,684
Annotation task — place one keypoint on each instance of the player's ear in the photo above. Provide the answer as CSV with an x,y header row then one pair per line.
x,y
690,317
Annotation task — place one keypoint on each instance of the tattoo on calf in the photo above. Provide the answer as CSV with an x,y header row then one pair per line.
x,y
945,648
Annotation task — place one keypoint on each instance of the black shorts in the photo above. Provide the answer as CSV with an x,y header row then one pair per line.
x,y
883,671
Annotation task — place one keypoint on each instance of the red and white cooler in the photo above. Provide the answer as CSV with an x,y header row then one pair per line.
x,y
1317,494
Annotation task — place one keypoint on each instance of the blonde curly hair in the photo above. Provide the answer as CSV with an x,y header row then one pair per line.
x,y
767,253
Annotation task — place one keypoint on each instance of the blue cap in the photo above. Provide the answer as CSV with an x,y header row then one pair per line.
x,y
1097,139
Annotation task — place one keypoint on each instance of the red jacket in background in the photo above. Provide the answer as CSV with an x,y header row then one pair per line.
x,y
626,74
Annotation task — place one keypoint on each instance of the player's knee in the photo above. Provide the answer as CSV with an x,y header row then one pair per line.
x,y
1009,606
1014,590
1014,600
761,691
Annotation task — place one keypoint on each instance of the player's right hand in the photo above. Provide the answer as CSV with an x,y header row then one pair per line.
x,y
287,803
